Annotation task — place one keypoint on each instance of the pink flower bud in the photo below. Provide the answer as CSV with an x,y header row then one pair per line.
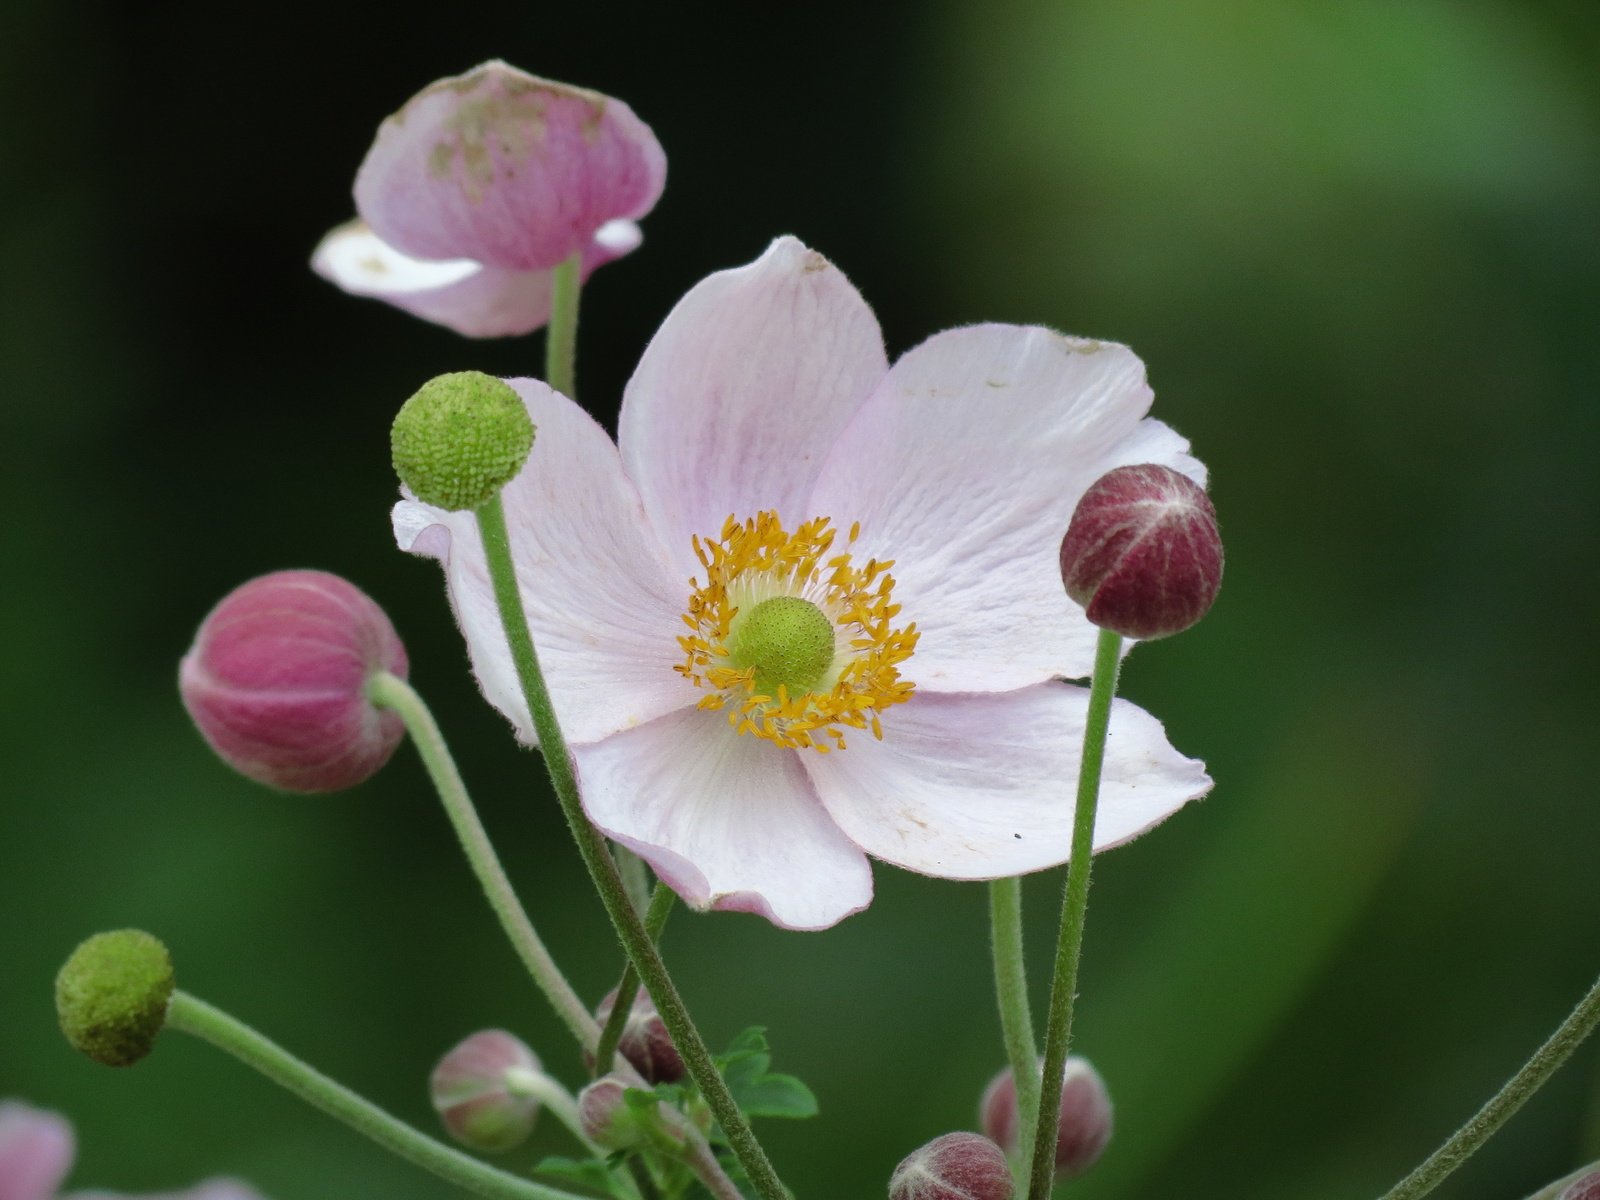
x,y
956,1166
36,1149
1142,553
645,1041
1083,1129
1585,1187
606,1117
479,1091
276,681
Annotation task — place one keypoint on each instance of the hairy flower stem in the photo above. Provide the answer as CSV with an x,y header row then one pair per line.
x,y
1075,902
561,335
655,921
210,1024
389,691
602,867
1488,1119
1016,1021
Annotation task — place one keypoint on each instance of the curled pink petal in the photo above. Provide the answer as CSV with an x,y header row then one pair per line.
x,y
506,169
460,294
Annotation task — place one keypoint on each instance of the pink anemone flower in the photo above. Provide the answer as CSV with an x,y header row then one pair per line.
x,y
481,185
808,608
36,1152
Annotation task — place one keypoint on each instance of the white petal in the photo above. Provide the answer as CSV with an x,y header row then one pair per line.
x,y
458,293
964,468
729,822
742,392
601,602
983,786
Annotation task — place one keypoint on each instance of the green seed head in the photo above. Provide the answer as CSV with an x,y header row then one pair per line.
x,y
460,439
788,640
111,997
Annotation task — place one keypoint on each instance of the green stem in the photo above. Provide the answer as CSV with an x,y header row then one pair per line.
x,y
1016,1021
210,1024
1466,1140
561,335
655,921
1074,904
389,691
603,868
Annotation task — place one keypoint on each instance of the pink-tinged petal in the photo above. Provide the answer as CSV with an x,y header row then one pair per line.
x,y
460,294
35,1152
603,606
964,468
728,822
507,169
210,1189
742,392
981,786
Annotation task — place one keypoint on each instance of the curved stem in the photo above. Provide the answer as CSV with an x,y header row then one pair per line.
x,y
1016,1021
655,921
210,1024
1488,1119
603,868
1074,904
391,692
561,335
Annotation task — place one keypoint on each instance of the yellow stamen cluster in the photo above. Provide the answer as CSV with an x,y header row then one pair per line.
x,y
757,560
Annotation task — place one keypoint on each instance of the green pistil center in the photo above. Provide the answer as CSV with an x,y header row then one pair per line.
x,y
788,641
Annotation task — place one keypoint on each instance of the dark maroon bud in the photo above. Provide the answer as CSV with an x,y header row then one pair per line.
x,y
956,1166
1142,554
645,1041
1083,1130
1585,1187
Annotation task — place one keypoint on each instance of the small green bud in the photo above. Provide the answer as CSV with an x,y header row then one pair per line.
x,y
460,439
111,997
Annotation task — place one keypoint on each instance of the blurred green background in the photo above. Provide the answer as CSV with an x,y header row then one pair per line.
x,y
1356,241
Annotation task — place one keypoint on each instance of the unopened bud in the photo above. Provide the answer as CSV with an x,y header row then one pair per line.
x,y
461,439
607,1119
112,994
1585,1187
480,1091
276,680
645,1041
1142,554
1084,1127
956,1166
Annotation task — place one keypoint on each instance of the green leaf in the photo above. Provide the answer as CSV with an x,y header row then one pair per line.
x,y
777,1096
582,1172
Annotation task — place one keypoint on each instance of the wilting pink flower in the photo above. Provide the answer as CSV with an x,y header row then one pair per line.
x,y
482,184
783,508
36,1151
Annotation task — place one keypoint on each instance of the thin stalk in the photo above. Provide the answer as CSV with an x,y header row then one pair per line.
x,y
1016,1020
655,921
1074,904
561,335
391,692
603,868
195,1016
1488,1119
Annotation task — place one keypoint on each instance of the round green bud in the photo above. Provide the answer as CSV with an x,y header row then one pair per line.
x,y
111,997
788,640
460,439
